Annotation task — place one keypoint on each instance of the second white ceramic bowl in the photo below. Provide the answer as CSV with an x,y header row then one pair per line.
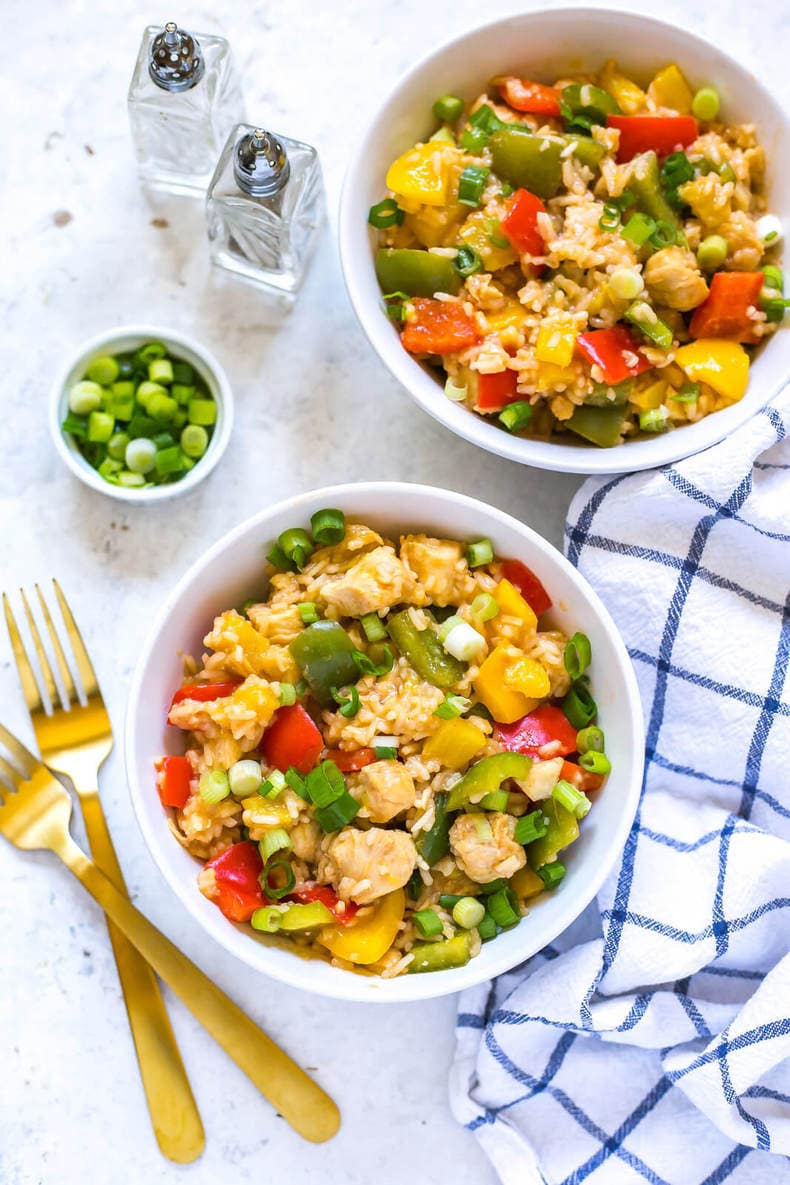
x,y
232,570
545,45
123,339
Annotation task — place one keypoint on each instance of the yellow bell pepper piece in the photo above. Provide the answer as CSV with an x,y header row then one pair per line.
x,y
505,703
630,96
670,89
722,364
476,231
422,174
526,883
267,815
556,341
512,604
454,743
435,226
529,677
512,316
369,939
650,396
551,376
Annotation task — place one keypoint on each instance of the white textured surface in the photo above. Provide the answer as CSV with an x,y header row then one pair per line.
x,y
313,406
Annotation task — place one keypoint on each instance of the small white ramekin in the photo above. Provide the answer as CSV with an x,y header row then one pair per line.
x,y
121,340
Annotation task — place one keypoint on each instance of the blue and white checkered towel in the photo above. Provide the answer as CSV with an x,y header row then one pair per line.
x,y
652,1041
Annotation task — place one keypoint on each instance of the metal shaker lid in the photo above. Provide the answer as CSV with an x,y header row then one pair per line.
x,y
175,60
260,165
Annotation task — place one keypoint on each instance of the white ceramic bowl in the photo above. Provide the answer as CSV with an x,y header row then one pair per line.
x,y
544,45
231,570
127,338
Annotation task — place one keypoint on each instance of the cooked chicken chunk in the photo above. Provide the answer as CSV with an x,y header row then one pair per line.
x,y
542,778
374,582
364,865
673,278
386,789
435,563
484,846
304,841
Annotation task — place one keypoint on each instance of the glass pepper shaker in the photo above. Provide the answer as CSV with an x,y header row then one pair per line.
x,y
183,100
263,206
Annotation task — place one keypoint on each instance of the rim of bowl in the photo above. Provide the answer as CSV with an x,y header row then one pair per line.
x,y
213,374
350,985
557,457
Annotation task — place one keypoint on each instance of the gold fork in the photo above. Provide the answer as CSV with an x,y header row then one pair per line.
x,y
35,810
74,739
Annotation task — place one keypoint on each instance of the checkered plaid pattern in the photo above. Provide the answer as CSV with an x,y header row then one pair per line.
x,y
652,1042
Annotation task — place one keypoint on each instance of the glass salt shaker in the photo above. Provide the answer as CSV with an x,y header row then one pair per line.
x,y
263,206
183,100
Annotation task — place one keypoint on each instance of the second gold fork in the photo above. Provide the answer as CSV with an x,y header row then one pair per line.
x,y
74,739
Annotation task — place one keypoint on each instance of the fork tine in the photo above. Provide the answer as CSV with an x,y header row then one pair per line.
x,y
26,676
23,756
43,660
9,774
87,674
65,673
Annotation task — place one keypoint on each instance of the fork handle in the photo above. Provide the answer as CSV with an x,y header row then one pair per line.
x,y
174,1114
300,1101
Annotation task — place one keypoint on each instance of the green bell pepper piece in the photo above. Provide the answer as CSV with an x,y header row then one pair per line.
x,y
657,331
599,425
599,396
434,844
425,652
563,830
586,150
645,185
527,161
590,101
439,956
417,273
324,654
487,776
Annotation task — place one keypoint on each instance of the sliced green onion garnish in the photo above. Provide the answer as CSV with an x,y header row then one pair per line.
x,y
479,553
493,886
712,252
280,868
385,752
471,184
268,919
368,667
287,694
324,784
375,630
705,104
296,546
278,559
590,740
495,236
577,655
307,916
277,840
468,912
503,907
338,813
448,108
484,607
447,625
75,426
328,526
385,214
448,900
347,706
610,219
774,277
552,874
579,706
453,393
572,799
688,393
497,800
467,262
595,763
214,786
664,234
654,419
428,922
638,228
274,785
414,885
516,415
294,779
487,928
531,827
244,777
308,611
453,705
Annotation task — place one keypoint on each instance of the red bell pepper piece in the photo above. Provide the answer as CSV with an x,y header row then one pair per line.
x,y
174,776
438,327
292,739
614,351
495,391
527,584
662,133
724,312
239,891
351,762
203,692
328,897
547,725
582,779
520,224
523,95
